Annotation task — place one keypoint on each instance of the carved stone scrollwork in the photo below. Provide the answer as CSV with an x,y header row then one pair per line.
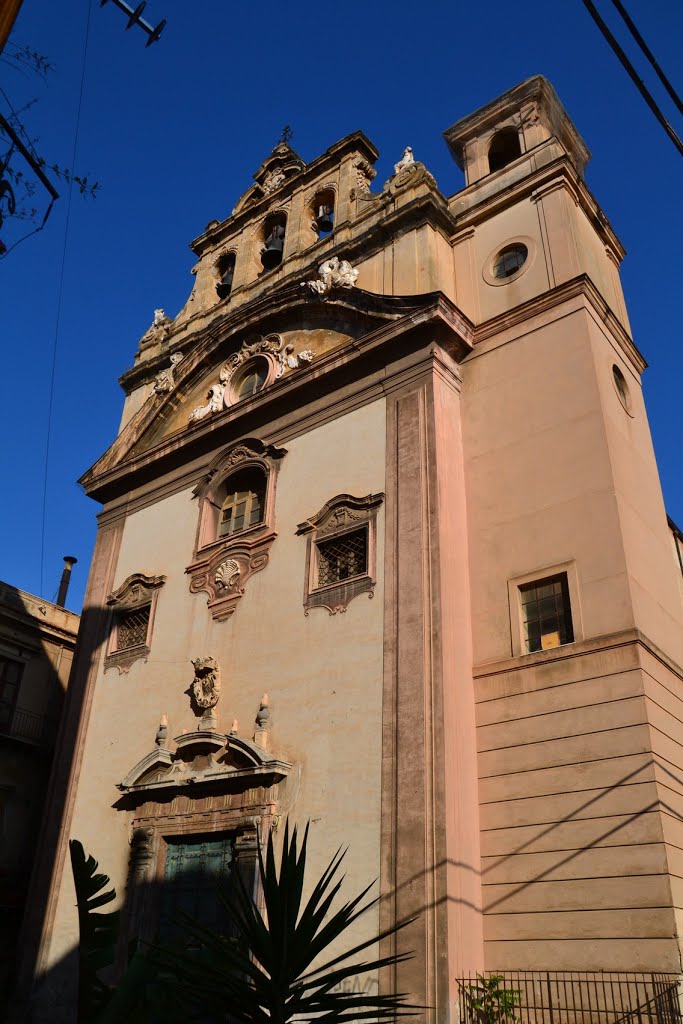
x,y
333,273
271,350
206,687
141,853
165,379
227,574
365,172
222,565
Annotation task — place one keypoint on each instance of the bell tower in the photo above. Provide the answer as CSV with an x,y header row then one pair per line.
x,y
536,224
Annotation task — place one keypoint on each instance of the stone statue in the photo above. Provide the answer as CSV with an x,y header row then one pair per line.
x,y
333,273
406,160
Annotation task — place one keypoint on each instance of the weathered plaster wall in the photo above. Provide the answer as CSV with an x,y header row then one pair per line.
x,y
323,673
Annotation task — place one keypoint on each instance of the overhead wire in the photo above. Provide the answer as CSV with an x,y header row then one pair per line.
x,y
649,54
60,291
633,74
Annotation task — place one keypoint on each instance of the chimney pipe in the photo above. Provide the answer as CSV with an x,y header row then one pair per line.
x,y
69,562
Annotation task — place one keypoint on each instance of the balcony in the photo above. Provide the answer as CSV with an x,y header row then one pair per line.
x,y
29,727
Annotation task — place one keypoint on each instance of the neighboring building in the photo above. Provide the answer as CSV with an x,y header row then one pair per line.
x,y
433,403
37,641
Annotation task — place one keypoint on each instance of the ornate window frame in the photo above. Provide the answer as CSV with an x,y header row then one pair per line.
x,y
221,566
340,515
135,593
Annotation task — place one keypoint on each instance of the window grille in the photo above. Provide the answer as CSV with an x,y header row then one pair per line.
x,y
10,680
342,558
546,613
131,628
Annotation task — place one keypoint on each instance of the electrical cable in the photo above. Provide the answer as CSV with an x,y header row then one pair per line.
x,y
648,53
59,295
640,85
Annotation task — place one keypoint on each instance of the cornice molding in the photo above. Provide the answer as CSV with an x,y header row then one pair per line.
x,y
581,286
559,173
404,316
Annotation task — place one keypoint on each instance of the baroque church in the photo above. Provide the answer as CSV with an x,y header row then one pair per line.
x,y
383,547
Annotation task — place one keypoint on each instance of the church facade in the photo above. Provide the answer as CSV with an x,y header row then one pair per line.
x,y
383,547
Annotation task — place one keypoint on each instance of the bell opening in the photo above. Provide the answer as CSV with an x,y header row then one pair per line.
x,y
274,232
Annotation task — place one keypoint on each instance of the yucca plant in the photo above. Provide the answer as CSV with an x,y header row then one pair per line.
x,y
267,974
99,1003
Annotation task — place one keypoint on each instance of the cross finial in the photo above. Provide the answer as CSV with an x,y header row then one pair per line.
x,y
286,134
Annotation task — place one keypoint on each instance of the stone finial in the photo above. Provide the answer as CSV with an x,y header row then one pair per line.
x,y
234,728
162,732
263,713
262,719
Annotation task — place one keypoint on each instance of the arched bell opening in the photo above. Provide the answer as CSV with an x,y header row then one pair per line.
x,y
504,148
226,274
322,213
273,237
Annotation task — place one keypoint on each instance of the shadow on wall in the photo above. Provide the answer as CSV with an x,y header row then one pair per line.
x,y
37,639
45,856
149,907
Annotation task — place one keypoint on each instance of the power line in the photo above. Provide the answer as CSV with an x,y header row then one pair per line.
x,y
59,296
648,53
640,85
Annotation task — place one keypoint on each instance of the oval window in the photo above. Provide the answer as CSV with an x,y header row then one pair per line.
x,y
250,380
622,388
509,260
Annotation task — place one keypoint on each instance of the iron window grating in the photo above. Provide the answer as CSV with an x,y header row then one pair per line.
x,y
132,628
546,612
343,557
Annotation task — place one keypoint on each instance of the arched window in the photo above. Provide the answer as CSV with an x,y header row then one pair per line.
x,y
504,149
322,213
274,228
243,502
226,273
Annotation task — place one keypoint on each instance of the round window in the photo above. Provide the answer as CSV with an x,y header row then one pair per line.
x,y
509,260
250,380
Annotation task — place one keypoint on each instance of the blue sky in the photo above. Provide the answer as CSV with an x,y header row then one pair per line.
x,y
174,134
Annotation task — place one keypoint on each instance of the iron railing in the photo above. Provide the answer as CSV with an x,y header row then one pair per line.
x,y
29,726
574,997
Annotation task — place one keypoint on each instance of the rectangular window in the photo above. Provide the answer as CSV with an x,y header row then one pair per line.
x,y
132,628
546,613
10,681
342,557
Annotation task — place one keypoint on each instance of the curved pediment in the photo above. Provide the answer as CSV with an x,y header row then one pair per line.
x,y
288,338
202,759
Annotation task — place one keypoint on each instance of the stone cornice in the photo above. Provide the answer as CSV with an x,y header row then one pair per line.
x,y
578,286
542,179
428,208
411,315
592,645
356,141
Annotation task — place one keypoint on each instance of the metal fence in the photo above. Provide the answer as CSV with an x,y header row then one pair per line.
x,y
570,997
27,725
